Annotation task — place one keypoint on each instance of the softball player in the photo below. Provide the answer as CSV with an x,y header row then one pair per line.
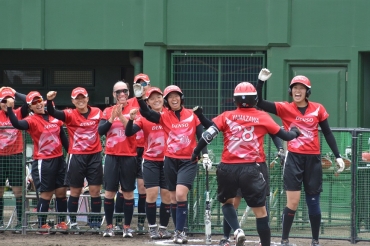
x,y
120,165
144,81
48,166
243,131
303,160
181,126
11,148
153,164
85,160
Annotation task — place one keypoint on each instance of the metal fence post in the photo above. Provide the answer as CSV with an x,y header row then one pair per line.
x,y
354,186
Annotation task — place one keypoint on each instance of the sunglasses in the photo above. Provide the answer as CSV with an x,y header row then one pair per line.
x,y
143,83
120,91
36,101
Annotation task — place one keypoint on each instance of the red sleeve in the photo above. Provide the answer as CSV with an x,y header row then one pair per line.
x,y
323,115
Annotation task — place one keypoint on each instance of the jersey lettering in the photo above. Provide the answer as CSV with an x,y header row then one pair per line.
x,y
304,119
246,118
181,125
247,135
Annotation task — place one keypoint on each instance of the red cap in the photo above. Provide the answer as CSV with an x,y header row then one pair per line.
x,y
153,89
141,76
30,96
6,92
77,91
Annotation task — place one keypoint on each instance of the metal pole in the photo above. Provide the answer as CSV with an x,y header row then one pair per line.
x,y
354,187
24,218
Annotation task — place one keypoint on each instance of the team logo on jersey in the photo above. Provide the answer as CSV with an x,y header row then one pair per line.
x,y
88,123
50,126
180,125
304,119
158,127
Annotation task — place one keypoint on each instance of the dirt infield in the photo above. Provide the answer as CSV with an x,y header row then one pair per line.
x,y
90,240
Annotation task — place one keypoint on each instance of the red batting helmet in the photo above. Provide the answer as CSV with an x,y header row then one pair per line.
x,y
245,95
172,88
300,79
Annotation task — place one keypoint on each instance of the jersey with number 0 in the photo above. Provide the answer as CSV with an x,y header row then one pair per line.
x,y
308,124
154,136
117,143
45,136
10,138
244,130
83,133
140,139
180,134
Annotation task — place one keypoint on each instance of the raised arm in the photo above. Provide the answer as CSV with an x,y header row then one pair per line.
x,y
198,111
58,114
145,111
19,124
148,113
132,128
267,106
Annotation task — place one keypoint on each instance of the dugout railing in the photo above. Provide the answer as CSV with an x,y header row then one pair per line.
x,y
344,201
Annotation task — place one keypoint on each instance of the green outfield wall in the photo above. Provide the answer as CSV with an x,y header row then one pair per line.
x,y
326,40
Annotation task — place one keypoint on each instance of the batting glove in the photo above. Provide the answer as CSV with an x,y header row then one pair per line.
x,y
340,165
281,155
138,90
207,163
198,110
264,75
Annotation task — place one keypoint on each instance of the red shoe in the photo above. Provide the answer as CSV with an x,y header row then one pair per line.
x,y
45,230
62,226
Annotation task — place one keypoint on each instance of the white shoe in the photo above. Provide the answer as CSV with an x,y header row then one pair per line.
x,y
239,237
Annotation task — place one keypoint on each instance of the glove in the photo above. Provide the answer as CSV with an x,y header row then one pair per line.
x,y
340,165
264,75
281,155
198,110
138,90
296,130
207,163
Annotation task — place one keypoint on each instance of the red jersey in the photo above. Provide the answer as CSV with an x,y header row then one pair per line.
x,y
244,130
117,143
45,136
308,143
154,136
140,134
11,140
83,133
180,134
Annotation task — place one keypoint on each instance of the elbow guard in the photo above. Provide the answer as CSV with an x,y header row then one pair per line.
x,y
210,134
